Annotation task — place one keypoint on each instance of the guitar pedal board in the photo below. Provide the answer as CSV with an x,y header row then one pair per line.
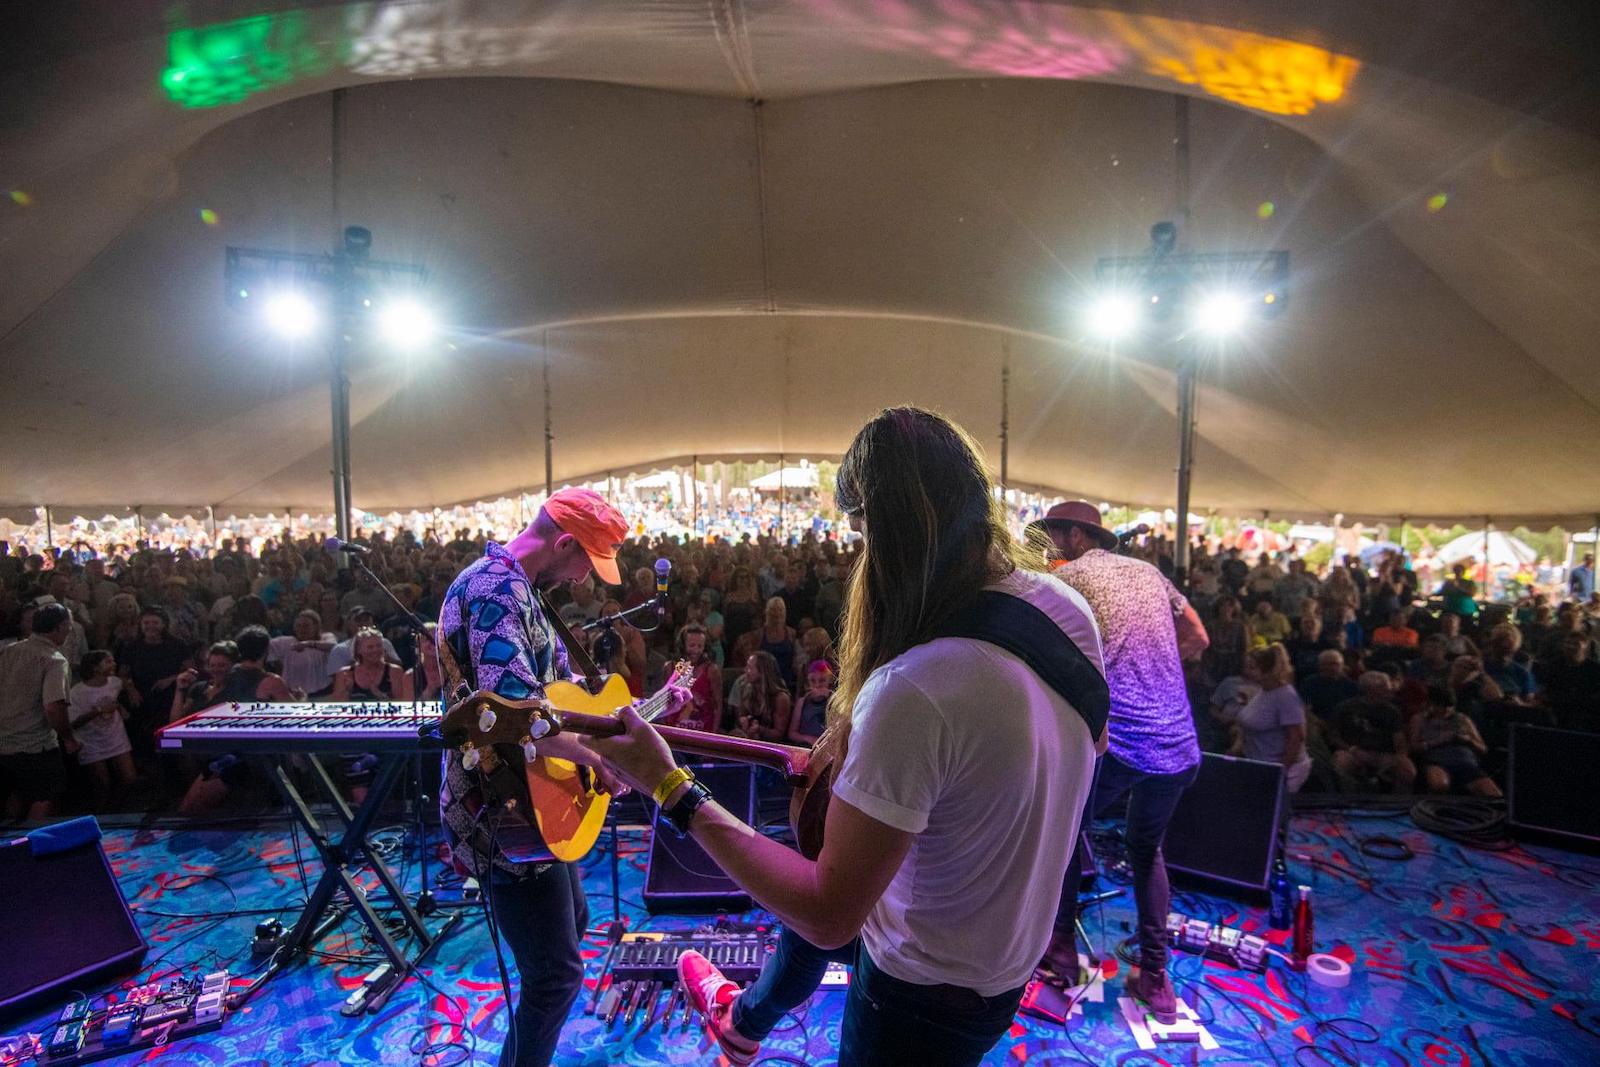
x,y
148,1016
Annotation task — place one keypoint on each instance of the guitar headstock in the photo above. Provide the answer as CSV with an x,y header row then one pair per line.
x,y
477,723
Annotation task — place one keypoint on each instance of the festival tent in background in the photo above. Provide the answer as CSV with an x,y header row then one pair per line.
x,y
728,230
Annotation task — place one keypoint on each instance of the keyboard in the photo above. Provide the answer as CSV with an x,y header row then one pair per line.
x,y
304,727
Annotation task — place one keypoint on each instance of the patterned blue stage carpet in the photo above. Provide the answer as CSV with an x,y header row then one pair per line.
x,y
1460,957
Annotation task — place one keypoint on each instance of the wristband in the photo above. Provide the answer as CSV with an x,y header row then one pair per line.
x,y
672,781
681,814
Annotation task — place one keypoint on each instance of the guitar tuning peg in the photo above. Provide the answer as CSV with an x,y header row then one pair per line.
x,y
470,757
529,750
538,728
486,719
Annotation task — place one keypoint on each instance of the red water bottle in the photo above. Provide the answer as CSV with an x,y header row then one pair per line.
x,y
1302,927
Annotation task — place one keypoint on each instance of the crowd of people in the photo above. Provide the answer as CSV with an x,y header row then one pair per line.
x,y
1353,678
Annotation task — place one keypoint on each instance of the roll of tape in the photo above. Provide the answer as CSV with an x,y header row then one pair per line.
x,y
1328,970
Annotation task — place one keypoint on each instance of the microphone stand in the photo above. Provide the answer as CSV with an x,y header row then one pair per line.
x,y
426,904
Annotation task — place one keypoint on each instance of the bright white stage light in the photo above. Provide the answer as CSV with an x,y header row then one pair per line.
x,y
1112,316
290,314
1221,314
406,324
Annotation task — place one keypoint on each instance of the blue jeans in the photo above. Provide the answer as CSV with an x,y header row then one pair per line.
x,y
1151,800
542,919
886,1020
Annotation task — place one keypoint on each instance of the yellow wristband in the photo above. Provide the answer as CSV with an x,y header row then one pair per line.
x,y
672,781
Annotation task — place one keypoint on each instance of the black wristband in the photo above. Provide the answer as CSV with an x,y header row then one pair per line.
x,y
681,813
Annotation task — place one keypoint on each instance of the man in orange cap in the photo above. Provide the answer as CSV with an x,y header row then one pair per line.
x,y
495,623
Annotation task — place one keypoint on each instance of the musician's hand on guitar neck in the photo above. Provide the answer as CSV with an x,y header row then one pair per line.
x,y
639,754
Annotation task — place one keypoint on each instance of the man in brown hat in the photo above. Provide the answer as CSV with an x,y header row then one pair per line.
x,y
1147,629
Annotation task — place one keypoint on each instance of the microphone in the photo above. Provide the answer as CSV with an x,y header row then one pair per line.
x,y
333,546
663,569
1136,531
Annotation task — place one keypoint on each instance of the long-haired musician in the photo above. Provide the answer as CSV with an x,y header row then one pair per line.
x,y
959,792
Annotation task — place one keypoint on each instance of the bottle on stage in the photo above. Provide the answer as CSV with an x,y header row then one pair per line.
x,y
1303,946
1281,915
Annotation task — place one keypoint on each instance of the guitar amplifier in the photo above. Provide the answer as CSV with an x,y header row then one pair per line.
x,y
680,876
1225,827
1541,800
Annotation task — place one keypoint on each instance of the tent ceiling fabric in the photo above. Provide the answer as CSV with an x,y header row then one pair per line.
x,y
915,203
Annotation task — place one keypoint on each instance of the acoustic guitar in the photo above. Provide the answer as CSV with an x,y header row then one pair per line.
x,y
568,810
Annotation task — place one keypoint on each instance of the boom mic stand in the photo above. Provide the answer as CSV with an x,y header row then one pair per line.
x,y
426,904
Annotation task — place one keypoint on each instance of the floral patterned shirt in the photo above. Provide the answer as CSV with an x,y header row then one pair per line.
x,y
498,633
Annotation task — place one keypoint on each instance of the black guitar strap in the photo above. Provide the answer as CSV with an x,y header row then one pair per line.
x,y
1017,626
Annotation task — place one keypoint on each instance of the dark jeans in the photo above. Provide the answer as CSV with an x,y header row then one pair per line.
x,y
1152,798
886,1020
542,919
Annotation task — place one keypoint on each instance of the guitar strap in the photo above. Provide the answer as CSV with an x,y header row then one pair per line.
x,y
1026,632
576,653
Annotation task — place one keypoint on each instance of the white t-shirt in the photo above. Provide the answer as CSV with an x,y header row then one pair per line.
x,y
305,669
958,742
103,736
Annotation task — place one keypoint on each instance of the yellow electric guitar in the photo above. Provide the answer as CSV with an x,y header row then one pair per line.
x,y
569,812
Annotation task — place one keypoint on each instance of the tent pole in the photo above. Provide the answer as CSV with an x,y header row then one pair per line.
x,y
694,490
1005,414
1488,571
549,433
782,498
1180,541
49,528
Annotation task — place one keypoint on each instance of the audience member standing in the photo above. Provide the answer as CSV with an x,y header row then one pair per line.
x,y
34,729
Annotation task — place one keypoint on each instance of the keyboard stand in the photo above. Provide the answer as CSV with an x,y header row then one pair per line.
x,y
340,855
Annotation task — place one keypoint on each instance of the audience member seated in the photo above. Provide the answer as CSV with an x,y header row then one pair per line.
x,y
1455,642
765,708
196,693
1268,626
1570,686
1396,634
247,681
1329,687
1230,640
1272,724
302,657
373,676
1305,646
704,710
343,654
1370,735
1500,663
1448,747
811,714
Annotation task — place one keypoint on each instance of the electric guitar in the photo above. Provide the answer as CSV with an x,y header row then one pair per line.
x,y
568,810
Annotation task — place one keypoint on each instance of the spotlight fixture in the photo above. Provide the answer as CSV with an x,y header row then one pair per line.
x,y
1113,315
289,314
1221,314
406,323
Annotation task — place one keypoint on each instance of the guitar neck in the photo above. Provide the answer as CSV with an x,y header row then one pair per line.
x,y
788,760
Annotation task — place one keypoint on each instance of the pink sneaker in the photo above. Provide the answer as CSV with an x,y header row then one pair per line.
x,y
712,995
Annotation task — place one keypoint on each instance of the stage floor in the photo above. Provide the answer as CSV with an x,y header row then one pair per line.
x,y
1459,956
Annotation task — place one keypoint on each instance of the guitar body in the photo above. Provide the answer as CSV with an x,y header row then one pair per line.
x,y
569,812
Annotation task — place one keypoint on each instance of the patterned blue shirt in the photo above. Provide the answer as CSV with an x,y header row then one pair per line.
x,y
503,643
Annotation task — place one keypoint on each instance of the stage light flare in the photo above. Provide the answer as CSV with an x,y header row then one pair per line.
x,y
290,314
1221,314
20,198
406,324
1113,315
1437,201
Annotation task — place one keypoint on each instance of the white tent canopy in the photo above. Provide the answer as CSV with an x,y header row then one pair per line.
x,y
787,478
738,229
1503,549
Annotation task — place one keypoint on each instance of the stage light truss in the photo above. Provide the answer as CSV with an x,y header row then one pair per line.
x,y
1218,287
355,282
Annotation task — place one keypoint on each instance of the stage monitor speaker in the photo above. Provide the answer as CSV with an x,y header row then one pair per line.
x,y
1225,828
1543,792
64,924
680,876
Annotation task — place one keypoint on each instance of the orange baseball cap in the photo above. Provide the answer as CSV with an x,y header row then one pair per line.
x,y
598,527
